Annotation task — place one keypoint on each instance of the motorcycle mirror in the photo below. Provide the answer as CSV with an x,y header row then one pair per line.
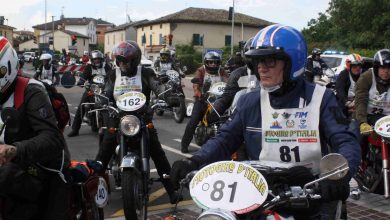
x,y
332,163
68,80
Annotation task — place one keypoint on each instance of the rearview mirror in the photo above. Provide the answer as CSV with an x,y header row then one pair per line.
x,y
334,162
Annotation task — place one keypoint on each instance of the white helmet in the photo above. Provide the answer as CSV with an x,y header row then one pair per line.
x,y
45,56
9,64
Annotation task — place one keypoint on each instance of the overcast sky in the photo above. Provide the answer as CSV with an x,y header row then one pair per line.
x,y
23,14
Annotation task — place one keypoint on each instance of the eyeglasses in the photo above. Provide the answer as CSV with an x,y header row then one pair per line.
x,y
269,62
212,62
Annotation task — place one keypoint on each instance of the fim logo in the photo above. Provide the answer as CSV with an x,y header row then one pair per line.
x,y
301,114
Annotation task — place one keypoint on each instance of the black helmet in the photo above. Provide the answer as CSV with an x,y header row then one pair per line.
x,y
212,57
381,59
128,52
246,48
316,51
165,55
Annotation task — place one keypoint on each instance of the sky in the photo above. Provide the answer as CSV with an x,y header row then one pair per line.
x,y
23,14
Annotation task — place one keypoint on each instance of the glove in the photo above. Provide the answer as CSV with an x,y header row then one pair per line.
x,y
7,153
213,117
299,176
365,128
180,169
332,190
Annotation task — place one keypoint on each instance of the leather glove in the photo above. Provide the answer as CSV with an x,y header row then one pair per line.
x,y
180,169
365,128
7,153
332,190
299,176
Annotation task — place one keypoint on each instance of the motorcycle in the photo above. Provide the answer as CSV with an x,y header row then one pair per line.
x,y
89,191
231,190
95,119
171,96
206,130
373,173
328,78
130,163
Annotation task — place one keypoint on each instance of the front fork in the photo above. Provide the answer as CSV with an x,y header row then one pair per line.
x,y
385,168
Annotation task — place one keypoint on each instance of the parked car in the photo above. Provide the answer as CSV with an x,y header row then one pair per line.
x,y
29,56
335,61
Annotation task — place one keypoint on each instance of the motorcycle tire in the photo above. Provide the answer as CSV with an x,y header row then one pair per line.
x,y
93,212
180,111
132,195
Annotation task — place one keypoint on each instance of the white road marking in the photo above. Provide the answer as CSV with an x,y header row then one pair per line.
x,y
165,147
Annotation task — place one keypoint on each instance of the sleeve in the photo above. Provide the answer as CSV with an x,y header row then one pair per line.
x,y
38,73
228,139
341,89
363,86
197,87
48,142
337,133
87,73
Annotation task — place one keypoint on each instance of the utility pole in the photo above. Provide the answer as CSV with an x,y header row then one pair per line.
x,y
52,21
44,40
232,38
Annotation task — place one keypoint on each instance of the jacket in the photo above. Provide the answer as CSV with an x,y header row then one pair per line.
x,y
87,73
199,74
311,71
363,86
245,126
342,86
37,138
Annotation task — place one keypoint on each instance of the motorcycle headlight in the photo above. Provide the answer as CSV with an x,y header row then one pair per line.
x,y
217,214
130,125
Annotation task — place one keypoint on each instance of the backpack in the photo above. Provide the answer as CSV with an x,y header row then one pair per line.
x,y
58,101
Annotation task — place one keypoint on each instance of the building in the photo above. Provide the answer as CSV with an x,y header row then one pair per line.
x,y
119,33
83,26
101,28
6,31
202,27
21,37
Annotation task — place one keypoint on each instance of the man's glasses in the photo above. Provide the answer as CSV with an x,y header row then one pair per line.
x,y
269,62
212,62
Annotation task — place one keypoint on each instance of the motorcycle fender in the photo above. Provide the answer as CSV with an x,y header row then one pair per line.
x,y
131,160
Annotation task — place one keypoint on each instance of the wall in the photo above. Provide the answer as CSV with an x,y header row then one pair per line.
x,y
28,45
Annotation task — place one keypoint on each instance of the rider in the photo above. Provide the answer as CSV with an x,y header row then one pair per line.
x,y
47,70
239,79
314,65
85,57
211,71
27,190
346,83
97,67
285,103
128,58
372,98
166,61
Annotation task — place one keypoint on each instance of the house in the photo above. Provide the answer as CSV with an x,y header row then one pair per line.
x,y
6,31
203,27
83,26
21,37
119,33
101,27
27,45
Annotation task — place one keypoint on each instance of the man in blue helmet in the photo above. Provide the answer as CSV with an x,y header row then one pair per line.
x,y
285,102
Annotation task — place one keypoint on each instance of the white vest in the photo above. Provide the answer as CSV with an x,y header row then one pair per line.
x,y
352,88
47,74
11,103
99,71
125,84
378,103
165,67
290,137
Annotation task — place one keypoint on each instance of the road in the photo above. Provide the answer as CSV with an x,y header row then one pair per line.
x,y
85,146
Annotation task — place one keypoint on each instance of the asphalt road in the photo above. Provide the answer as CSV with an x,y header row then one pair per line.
x,y
85,146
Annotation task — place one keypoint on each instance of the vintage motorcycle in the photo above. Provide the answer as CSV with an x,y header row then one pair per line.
x,y
328,78
89,191
373,173
95,119
130,164
171,96
206,130
231,190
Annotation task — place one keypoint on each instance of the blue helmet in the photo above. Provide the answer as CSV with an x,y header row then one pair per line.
x,y
282,42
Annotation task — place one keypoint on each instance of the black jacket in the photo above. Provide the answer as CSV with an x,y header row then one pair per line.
x,y
342,85
310,71
87,73
55,76
37,138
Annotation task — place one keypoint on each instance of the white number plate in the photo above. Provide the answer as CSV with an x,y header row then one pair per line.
x,y
101,197
98,79
229,185
382,126
131,101
217,88
172,74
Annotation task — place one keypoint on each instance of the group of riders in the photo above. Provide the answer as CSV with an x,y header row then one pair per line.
x,y
34,156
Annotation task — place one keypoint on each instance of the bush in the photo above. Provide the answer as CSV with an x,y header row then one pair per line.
x,y
189,57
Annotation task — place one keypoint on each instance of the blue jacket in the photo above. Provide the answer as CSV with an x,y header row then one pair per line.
x,y
245,126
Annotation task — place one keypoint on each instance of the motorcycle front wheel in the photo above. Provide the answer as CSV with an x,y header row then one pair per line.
x,y
132,195
180,112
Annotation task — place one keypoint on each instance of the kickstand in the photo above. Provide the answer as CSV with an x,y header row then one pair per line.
x,y
173,215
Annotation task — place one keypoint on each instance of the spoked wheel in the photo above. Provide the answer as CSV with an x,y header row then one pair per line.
x,y
132,194
180,111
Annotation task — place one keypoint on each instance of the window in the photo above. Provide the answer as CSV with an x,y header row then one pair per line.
x,y
142,28
84,42
161,39
160,26
113,39
121,36
196,39
228,40
108,39
151,40
1,33
151,27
